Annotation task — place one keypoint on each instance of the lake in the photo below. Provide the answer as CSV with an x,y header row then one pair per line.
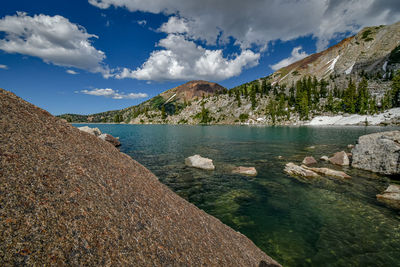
x,y
324,222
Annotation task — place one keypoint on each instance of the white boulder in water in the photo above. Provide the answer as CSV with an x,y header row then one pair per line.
x,y
93,131
250,171
295,170
198,161
391,196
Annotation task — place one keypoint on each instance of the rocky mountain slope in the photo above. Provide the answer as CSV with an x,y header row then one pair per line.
x,y
191,91
69,198
354,76
368,51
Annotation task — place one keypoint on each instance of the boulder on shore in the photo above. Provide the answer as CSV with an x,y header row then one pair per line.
x,y
340,158
309,161
250,171
198,161
111,139
328,172
391,196
378,152
105,137
92,131
295,170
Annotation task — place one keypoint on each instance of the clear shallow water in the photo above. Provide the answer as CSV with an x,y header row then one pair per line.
x,y
326,222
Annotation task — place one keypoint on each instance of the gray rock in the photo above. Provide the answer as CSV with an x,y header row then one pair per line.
x,y
324,158
309,161
92,131
197,161
111,139
378,152
295,170
340,158
328,172
391,196
250,171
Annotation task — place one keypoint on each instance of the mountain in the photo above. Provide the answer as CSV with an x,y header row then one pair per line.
x,y
356,75
368,51
192,90
69,198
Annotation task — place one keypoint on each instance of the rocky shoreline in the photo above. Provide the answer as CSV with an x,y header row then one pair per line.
x,y
389,117
377,152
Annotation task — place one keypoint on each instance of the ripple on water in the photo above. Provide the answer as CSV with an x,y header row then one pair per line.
x,y
323,222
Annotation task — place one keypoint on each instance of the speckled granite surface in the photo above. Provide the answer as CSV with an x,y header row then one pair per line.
x,y
68,198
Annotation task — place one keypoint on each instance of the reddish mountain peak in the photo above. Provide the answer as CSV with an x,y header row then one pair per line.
x,y
192,90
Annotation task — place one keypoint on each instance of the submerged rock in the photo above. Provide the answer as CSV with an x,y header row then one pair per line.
x,y
109,138
293,169
309,161
340,158
198,161
250,171
328,172
378,152
391,196
92,131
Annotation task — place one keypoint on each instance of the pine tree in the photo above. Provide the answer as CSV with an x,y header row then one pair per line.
x,y
271,110
263,87
323,88
163,114
238,99
329,105
253,99
363,97
304,109
396,90
349,98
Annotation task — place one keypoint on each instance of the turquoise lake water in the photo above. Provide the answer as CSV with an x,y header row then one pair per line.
x,y
325,222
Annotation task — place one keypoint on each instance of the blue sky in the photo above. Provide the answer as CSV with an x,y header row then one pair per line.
x,y
84,57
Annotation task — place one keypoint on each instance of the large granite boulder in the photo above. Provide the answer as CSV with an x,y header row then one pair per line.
x,y
391,196
109,138
70,199
92,131
295,170
340,158
250,171
309,160
198,161
378,152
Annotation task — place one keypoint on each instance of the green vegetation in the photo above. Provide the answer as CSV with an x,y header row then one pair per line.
x,y
366,35
394,56
118,118
204,115
243,117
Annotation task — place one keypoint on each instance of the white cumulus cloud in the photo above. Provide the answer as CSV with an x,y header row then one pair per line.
x,y
255,22
3,67
114,94
296,55
54,39
175,25
72,72
183,59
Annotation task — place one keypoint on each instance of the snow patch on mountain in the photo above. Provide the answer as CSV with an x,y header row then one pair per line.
x,y
356,119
